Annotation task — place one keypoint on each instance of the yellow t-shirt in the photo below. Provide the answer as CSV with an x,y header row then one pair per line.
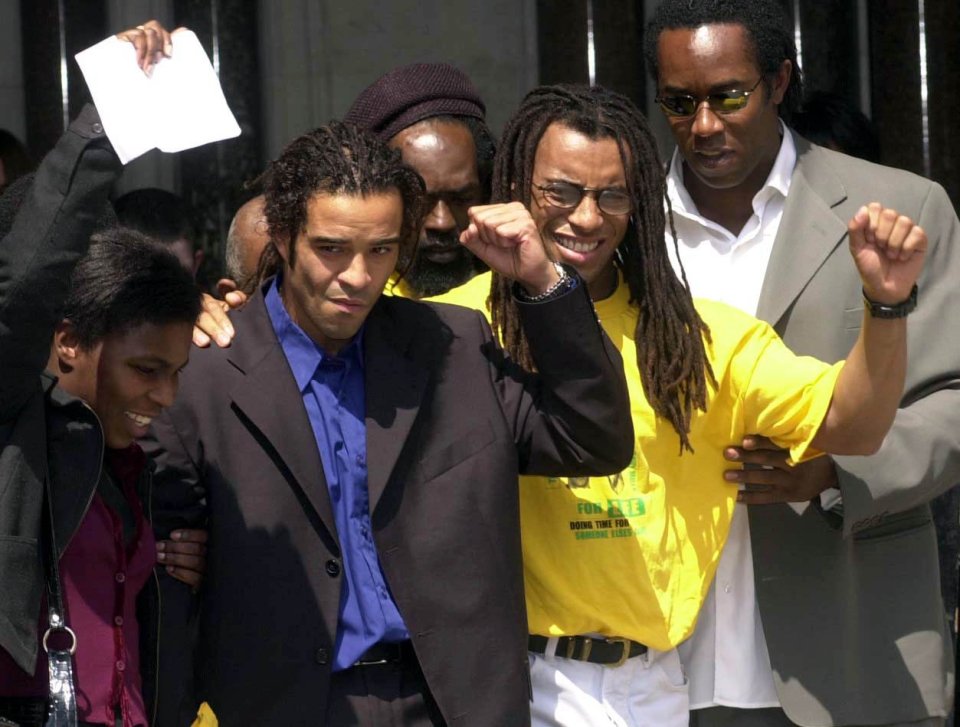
x,y
472,294
632,555
398,287
628,555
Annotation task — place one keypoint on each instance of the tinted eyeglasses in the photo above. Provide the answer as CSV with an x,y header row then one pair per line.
x,y
722,102
567,195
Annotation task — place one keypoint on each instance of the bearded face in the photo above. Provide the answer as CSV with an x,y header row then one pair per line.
x,y
440,264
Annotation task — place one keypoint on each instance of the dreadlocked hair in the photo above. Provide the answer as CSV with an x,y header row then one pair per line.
x,y
670,335
339,158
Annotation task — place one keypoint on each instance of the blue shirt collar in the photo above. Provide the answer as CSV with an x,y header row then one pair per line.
x,y
303,354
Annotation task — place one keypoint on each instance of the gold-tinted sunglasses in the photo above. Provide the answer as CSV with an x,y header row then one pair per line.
x,y
722,102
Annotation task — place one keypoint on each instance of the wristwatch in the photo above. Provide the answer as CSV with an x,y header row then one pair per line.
x,y
897,310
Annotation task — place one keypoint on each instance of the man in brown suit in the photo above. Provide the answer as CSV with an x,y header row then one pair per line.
x,y
356,459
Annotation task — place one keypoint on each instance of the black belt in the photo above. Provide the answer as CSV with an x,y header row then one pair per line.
x,y
610,651
385,652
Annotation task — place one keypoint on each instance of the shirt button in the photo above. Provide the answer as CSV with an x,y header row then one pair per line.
x,y
321,656
333,568
97,128
118,620
360,460
120,665
727,588
120,577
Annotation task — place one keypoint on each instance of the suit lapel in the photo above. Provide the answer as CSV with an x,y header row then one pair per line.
x,y
269,400
809,231
395,384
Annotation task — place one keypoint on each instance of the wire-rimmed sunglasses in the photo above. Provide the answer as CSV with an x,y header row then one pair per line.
x,y
721,102
567,195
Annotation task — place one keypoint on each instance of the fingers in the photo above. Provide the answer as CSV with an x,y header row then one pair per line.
x,y
213,323
756,441
200,339
189,535
172,551
184,556
895,234
185,561
502,225
916,243
151,41
185,575
757,475
766,483
758,451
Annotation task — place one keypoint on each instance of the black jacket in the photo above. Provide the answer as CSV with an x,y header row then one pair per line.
x,y
46,435
450,423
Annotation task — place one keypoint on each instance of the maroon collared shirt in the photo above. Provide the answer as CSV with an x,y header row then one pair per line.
x,y
102,575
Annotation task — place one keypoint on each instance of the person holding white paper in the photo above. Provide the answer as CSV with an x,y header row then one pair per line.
x,y
74,489
187,107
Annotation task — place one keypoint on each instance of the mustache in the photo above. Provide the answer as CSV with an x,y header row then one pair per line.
x,y
440,239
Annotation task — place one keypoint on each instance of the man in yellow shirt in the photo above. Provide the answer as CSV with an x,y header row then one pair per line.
x,y
616,568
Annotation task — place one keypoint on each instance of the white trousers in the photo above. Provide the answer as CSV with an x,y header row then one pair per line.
x,y
647,691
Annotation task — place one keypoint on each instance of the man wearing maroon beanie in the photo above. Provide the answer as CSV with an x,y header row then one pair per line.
x,y
433,114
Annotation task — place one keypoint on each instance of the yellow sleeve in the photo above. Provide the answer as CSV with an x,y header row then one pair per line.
x,y
784,396
205,717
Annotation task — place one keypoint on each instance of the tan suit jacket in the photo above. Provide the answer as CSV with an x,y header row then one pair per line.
x,y
851,604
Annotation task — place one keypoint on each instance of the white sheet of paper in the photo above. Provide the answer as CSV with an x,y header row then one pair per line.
x,y
179,106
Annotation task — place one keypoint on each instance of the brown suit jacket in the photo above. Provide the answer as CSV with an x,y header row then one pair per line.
x,y
450,425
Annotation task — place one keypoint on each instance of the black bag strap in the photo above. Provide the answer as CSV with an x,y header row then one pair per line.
x,y
55,610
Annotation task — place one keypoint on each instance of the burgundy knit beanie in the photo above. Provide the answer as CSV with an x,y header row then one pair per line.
x,y
406,95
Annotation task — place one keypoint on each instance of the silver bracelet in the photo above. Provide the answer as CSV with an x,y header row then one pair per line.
x,y
559,286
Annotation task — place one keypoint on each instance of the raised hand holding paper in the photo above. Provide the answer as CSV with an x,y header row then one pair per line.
x,y
187,104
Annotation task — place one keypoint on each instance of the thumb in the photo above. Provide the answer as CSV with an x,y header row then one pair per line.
x,y
235,299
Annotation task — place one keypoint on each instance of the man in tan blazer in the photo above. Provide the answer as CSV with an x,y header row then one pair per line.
x,y
827,607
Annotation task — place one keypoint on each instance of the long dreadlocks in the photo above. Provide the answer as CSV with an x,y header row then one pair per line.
x,y
670,334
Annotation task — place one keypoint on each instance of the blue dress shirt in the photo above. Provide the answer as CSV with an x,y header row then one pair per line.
x,y
333,394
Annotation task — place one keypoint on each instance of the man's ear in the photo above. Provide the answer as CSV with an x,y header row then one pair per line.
x,y
283,247
781,81
224,286
197,261
66,344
